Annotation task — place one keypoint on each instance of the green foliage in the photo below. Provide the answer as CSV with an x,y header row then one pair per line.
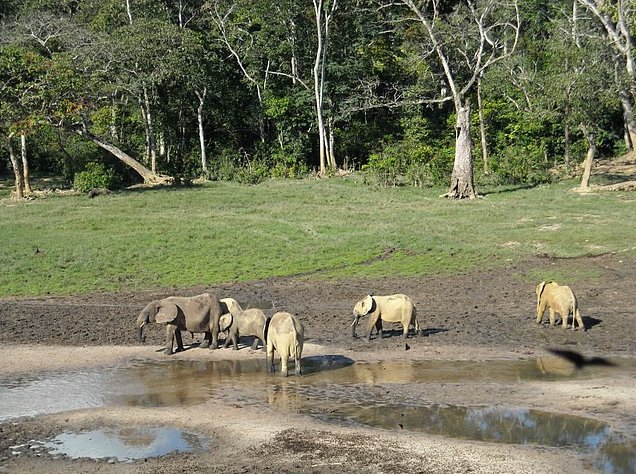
x,y
412,159
520,165
322,228
94,176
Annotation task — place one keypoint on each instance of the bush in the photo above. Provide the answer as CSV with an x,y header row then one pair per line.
x,y
520,165
94,176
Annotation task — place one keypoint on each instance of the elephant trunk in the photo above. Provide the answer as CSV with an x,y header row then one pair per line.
x,y
142,320
356,319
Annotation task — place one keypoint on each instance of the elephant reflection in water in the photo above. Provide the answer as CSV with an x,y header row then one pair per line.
x,y
180,383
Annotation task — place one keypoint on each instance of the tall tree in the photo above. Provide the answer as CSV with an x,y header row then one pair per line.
x,y
617,18
462,40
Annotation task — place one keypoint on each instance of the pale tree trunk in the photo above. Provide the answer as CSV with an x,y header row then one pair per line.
x,y
204,160
628,118
462,185
332,141
25,165
590,136
129,12
148,176
319,72
482,127
150,132
616,18
19,185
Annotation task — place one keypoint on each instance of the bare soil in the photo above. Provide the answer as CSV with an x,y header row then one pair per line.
x,y
473,316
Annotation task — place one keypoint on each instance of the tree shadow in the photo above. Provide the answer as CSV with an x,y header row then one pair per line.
x,y
507,189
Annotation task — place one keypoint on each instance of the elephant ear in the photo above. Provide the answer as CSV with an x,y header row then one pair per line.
x,y
167,313
225,322
367,304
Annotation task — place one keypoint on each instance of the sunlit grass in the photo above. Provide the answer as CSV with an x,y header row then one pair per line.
x,y
222,232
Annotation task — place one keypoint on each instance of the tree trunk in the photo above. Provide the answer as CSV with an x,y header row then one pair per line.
x,y
19,185
482,127
152,145
148,176
628,117
318,87
591,151
204,160
462,185
25,165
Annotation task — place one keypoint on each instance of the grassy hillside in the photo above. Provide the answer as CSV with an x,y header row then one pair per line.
x,y
222,231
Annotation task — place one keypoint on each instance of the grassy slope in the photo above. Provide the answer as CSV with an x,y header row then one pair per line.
x,y
225,231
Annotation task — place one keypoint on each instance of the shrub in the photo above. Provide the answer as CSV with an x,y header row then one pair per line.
x,y
94,176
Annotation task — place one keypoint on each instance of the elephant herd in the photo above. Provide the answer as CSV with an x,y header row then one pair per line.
x,y
210,315
284,332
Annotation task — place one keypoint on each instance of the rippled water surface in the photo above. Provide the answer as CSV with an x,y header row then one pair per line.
x,y
333,389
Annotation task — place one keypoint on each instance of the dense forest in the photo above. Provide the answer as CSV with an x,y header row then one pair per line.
x,y
414,92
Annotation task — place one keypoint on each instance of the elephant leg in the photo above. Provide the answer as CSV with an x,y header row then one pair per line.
x,y
177,336
270,358
552,317
234,341
264,349
255,344
226,344
215,337
206,340
405,333
564,320
284,360
540,311
170,331
577,314
297,363
374,321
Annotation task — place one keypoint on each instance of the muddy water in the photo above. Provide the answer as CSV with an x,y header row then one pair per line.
x,y
337,390
122,444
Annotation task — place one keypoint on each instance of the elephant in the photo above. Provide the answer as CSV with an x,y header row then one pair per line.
x,y
285,334
394,309
199,313
557,299
249,322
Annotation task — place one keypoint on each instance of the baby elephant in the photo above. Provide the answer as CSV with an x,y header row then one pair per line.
x,y
557,299
249,322
285,334
394,309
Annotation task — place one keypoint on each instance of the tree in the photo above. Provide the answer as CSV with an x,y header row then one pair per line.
x,y
462,41
615,18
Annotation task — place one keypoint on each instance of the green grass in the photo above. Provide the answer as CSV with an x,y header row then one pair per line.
x,y
220,232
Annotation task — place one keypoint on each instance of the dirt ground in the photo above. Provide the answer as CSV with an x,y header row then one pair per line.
x,y
474,316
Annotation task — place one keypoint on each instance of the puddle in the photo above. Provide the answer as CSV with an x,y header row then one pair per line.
x,y
124,444
332,389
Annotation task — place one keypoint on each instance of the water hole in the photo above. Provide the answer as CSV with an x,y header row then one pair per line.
x,y
335,389
121,444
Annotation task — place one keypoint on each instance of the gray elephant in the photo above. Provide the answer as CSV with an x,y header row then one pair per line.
x,y
199,313
557,299
249,322
285,334
394,309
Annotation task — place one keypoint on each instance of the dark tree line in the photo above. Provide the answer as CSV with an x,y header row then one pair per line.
x,y
412,91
